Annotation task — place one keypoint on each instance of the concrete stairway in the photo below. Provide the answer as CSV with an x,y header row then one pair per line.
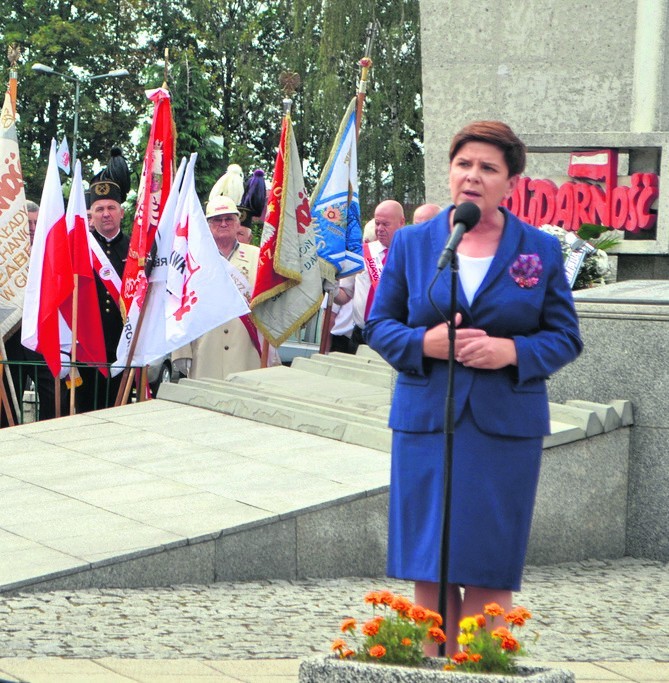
x,y
347,398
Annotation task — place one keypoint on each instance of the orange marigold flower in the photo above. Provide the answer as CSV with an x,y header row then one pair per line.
x,y
418,614
510,644
501,632
373,598
434,617
480,620
348,625
518,616
448,667
493,609
370,628
475,657
347,653
401,604
460,657
338,644
515,617
407,642
436,634
378,618
377,651
386,597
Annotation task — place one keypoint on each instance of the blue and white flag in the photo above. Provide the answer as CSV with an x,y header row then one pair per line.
x,y
335,208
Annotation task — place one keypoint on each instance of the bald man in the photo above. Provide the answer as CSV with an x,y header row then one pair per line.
x,y
424,212
388,219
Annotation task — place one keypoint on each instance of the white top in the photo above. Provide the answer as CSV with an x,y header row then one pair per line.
x,y
472,271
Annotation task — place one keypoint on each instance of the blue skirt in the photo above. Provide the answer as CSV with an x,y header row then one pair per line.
x,y
494,485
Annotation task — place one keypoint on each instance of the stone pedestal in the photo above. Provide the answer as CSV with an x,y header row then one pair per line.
x,y
625,328
333,670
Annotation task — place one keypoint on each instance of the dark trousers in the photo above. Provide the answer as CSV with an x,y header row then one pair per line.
x,y
340,343
357,338
28,365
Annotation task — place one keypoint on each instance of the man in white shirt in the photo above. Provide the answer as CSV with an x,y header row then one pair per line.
x,y
360,288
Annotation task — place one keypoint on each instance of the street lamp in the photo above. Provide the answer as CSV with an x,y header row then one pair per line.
x,y
43,68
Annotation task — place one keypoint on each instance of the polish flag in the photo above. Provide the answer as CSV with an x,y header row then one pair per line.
x,y
50,277
89,335
600,165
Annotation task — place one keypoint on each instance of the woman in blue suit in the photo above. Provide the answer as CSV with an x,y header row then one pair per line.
x,y
516,326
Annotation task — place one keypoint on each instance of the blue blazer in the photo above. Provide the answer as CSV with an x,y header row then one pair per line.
x,y
540,319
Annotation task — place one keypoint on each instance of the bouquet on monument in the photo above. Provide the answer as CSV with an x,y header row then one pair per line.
x,y
596,266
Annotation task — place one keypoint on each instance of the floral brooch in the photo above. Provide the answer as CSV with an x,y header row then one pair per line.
x,y
526,270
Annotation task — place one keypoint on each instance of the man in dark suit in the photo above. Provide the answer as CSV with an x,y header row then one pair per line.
x,y
107,213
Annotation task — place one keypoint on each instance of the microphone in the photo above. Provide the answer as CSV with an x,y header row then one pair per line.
x,y
467,215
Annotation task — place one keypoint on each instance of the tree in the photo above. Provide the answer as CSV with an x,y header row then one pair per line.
x,y
79,39
390,157
225,59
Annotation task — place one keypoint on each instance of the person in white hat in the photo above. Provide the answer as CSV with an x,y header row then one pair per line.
x,y
233,346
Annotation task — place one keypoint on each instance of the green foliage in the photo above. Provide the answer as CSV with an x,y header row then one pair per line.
x,y
76,39
225,59
589,231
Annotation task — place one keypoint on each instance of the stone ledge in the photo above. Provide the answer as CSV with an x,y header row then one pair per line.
x,y
325,400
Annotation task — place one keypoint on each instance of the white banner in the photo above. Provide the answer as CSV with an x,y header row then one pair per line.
x,y
14,235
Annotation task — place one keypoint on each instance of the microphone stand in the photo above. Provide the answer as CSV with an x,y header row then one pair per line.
x,y
449,430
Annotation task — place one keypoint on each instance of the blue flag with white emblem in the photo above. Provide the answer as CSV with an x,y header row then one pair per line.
x,y
335,207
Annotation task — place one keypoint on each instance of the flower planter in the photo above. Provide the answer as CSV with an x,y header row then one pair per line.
x,y
334,670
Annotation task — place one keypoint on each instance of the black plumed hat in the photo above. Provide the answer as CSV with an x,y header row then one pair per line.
x,y
253,201
112,182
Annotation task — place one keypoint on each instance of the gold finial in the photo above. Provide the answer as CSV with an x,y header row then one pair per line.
x,y
13,54
167,65
289,81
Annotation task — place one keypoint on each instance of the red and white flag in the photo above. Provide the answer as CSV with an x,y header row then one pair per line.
x,y
90,337
191,289
63,156
200,292
50,277
600,165
151,342
288,289
154,188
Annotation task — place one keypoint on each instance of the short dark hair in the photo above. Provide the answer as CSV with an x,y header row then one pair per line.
x,y
494,133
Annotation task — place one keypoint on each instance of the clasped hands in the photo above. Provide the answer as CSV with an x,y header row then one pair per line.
x,y
473,347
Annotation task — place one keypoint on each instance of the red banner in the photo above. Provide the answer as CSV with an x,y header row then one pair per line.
x,y
154,188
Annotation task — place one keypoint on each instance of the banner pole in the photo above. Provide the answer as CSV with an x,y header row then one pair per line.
x,y
365,65
73,369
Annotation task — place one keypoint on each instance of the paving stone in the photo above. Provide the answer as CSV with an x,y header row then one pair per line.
x,y
607,610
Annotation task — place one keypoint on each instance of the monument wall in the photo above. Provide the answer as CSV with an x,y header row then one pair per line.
x,y
566,76
625,330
